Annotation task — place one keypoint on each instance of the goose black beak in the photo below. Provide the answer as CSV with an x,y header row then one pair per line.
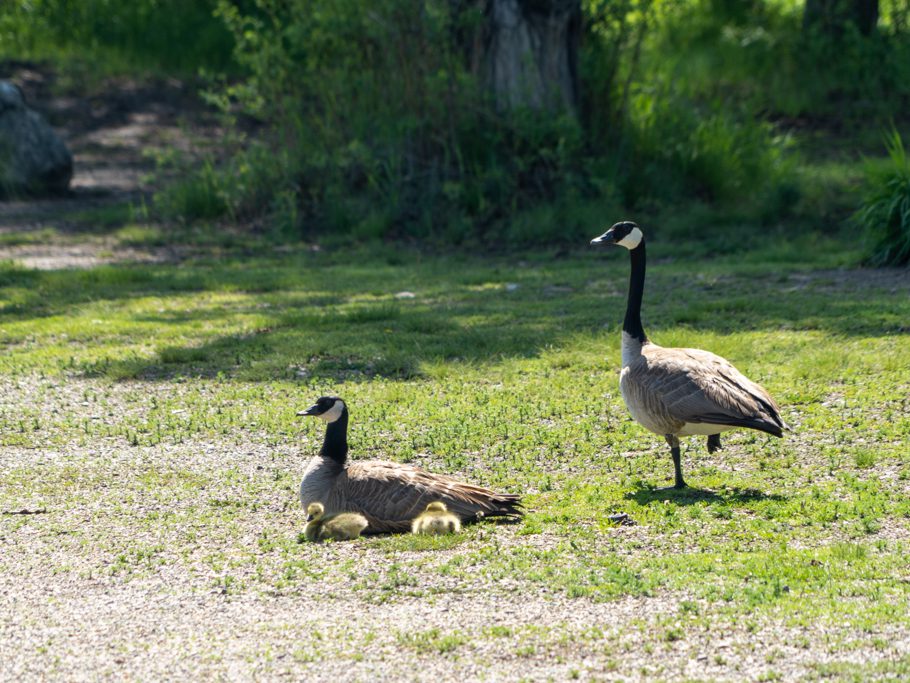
x,y
608,239
309,412
309,518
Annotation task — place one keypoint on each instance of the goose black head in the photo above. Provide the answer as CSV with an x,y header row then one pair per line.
x,y
624,234
328,408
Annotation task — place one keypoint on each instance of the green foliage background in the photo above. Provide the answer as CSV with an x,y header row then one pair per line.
x,y
355,122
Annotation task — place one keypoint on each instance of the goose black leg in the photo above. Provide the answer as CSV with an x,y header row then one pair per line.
x,y
714,443
673,441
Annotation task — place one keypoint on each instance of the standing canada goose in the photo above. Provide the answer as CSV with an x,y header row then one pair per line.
x,y
342,527
436,520
681,392
388,494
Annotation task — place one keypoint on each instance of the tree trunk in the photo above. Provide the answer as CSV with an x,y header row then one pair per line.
x,y
830,17
526,51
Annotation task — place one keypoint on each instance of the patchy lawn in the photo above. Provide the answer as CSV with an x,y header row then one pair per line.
x,y
147,423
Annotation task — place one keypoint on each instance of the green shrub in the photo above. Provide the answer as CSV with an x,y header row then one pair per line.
x,y
200,195
885,212
374,142
253,182
374,124
370,141
706,152
760,55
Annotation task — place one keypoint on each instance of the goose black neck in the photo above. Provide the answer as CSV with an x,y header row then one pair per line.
x,y
335,444
632,323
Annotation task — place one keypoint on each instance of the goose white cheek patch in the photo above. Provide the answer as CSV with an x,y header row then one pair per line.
x,y
334,412
632,240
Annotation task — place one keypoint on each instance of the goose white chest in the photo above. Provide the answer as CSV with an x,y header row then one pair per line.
x,y
318,480
636,397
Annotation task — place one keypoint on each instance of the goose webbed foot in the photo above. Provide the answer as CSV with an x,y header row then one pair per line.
x,y
678,486
678,481
714,443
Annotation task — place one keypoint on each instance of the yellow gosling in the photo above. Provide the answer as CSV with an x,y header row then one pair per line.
x,y
436,520
345,526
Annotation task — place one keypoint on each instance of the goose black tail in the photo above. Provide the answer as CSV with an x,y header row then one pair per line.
x,y
506,507
759,423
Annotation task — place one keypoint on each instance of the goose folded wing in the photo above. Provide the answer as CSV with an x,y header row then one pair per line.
x,y
699,387
393,494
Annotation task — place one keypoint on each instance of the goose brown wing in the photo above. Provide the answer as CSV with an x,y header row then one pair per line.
x,y
391,494
701,387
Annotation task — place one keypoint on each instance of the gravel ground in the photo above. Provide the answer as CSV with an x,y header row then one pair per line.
x,y
80,601
171,626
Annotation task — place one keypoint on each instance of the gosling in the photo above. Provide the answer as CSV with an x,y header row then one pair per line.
x,y
436,520
345,526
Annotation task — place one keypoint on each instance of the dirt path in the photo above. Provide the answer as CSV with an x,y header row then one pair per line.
x,y
116,134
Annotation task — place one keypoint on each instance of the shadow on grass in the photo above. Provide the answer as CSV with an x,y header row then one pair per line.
x,y
645,495
266,316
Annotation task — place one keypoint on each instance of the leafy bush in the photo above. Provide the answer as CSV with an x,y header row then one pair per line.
x,y
373,122
238,189
760,55
885,213
706,152
377,127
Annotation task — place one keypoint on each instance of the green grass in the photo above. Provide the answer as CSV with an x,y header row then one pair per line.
x,y
114,37
503,370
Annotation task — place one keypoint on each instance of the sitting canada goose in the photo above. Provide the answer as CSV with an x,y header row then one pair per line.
x,y
388,494
345,526
436,520
681,392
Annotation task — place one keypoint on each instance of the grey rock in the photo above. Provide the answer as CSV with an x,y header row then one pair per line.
x,y
33,159
10,96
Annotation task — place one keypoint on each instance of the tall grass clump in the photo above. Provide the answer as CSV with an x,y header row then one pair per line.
x,y
885,212
670,142
688,149
246,185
